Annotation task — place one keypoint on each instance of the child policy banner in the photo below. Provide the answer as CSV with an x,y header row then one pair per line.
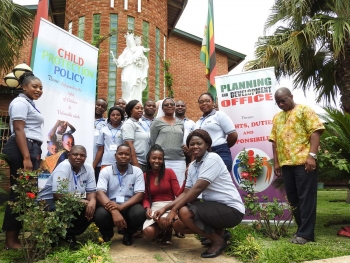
x,y
67,67
248,98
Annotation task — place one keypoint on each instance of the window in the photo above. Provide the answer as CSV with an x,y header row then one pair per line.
x,y
96,28
70,27
156,92
81,27
112,68
145,43
131,23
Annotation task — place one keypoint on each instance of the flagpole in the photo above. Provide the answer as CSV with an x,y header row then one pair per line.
x,y
207,54
41,12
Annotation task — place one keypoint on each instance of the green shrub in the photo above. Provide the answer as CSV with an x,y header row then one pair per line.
x,y
89,252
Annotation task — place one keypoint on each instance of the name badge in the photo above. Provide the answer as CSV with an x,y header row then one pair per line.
x,y
80,195
96,133
113,147
120,199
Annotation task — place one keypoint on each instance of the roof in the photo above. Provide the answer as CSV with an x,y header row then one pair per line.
x,y
234,57
57,11
175,9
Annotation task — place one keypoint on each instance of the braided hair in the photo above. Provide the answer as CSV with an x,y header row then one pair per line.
x,y
154,148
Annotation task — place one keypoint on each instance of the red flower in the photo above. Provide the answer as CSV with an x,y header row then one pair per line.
x,y
31,195
27,177
244,175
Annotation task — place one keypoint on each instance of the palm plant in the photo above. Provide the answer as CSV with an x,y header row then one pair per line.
x,y
16,24
335,146
311,43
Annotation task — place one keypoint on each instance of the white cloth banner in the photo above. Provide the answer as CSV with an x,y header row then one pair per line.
x,y
248,98
67,67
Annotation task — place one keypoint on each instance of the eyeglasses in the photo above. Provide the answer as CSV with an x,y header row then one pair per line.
x,y
169,104
203,101
282,100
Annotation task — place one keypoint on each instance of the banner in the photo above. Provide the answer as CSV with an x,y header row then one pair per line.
x,y
67,67
248,98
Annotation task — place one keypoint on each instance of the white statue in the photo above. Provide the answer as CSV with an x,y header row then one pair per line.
x,y
135,67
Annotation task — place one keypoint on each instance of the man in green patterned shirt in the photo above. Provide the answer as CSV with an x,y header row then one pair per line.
x,y
295,138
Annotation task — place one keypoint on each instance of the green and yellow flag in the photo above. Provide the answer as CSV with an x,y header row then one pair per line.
x,y
207,55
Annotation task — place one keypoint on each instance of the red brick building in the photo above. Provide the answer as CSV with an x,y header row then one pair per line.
x,y
104,24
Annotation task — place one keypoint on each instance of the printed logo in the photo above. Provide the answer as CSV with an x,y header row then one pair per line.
x,y
264,180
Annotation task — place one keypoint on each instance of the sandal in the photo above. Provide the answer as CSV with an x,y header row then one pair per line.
x,y
179,235
299,240
166,237
343,233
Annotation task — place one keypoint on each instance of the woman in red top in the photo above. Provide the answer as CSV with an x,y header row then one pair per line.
x,y
161,189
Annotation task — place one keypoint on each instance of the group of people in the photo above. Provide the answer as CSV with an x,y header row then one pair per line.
x,y
158,170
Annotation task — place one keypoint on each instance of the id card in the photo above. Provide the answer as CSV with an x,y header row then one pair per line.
x,y
119,199
80,195
113,147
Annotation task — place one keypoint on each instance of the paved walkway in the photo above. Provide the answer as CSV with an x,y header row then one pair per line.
x,y
345,259
182,250
187,250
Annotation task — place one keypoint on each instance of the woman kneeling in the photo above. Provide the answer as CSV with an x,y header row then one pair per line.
x,y
221,206
161,189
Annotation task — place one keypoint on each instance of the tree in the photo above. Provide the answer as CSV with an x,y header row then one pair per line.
x,y
311,43
16,24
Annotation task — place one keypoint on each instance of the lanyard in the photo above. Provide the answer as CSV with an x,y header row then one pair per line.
x,y
148,121
113,135
33,105
142,126
200,126
30,102
120,179
197,173
98,121
75,180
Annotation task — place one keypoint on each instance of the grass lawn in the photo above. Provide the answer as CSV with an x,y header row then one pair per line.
x,y
332,214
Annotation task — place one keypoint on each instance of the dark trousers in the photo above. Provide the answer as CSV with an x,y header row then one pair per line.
x,y
225,153
16,162
301,190
134,217
80,223
97,173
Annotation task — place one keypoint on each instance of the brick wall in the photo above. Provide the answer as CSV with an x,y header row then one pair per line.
x,y
154,12
189,72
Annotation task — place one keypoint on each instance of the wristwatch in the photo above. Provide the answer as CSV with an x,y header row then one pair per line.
x,y
313,155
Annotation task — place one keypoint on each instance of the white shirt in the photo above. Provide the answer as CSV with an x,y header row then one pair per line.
x,y
23,109
99,124
221,188
85,180
131,182
188,127
218,124
110,138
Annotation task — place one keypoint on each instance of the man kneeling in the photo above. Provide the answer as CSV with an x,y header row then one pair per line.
x,y
82,183
120,190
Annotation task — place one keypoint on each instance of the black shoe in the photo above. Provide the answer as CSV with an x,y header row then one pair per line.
x,y
106,238
72,241
226,236
127,240
206,254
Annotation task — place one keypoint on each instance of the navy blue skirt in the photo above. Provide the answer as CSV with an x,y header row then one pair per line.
x,y
224,152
